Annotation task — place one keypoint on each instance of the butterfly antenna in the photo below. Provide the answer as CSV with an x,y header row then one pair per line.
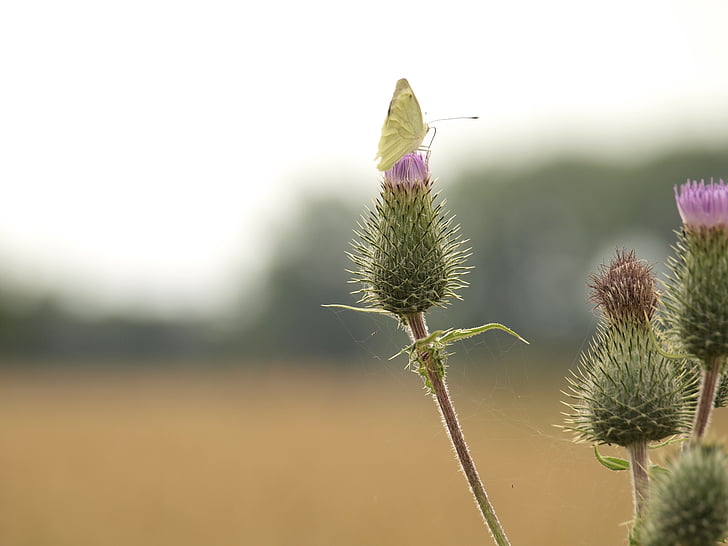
x,y
459,117
434,132
434,129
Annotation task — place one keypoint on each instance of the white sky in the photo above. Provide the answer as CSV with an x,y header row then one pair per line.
x,y
149,148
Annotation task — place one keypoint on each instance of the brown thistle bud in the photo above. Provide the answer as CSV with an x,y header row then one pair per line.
x,y
625,289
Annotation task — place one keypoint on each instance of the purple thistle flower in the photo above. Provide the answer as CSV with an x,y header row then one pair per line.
x,y
408,252
410,172
702,205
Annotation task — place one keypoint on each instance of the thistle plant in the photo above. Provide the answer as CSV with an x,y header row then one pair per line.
x,y
688,504
631,392
696,301
409,257
625,392
408,252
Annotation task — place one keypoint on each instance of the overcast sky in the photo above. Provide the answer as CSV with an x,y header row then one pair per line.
x,y
149,148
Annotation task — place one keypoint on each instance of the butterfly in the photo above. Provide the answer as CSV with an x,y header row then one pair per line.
x,y
404,130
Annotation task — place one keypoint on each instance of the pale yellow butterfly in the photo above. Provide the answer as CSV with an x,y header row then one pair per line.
x,y
404,130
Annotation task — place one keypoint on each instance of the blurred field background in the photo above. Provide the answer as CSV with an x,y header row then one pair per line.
x,y
178,188
292,457
289,457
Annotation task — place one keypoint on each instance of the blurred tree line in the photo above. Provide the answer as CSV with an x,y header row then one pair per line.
x,y
536,233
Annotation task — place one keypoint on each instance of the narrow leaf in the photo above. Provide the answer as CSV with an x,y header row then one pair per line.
x,y
463,333
360,309
612,463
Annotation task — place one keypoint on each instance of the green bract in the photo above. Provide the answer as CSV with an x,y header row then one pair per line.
x,y
696,299
408,252
626,392
688,505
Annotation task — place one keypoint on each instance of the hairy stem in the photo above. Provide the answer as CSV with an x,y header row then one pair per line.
x,y
418,330
638,464
708,388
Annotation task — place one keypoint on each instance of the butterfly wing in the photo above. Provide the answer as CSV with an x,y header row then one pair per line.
x,y
403,130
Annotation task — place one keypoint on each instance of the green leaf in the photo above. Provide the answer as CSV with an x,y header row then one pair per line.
x,y
461,333
667,443
612,463
439,339
660,350
435,337
360,309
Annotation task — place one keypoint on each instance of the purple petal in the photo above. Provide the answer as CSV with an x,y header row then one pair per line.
x,y
409,172
703,204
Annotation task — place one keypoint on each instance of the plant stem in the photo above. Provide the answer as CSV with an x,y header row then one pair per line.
x,y
418,330
638,464
708,388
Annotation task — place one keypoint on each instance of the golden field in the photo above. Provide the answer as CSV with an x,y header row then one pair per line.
x,y
290,458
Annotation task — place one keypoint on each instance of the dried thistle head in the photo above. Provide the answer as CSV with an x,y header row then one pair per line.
x,y
625,290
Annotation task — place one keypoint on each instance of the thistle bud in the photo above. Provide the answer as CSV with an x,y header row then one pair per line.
x,y
625,392
688,504
408,251
697,291
625,290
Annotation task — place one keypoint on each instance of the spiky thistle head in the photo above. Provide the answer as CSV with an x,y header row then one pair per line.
x,y
625,289
408,251
624,391
688,504
696,297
